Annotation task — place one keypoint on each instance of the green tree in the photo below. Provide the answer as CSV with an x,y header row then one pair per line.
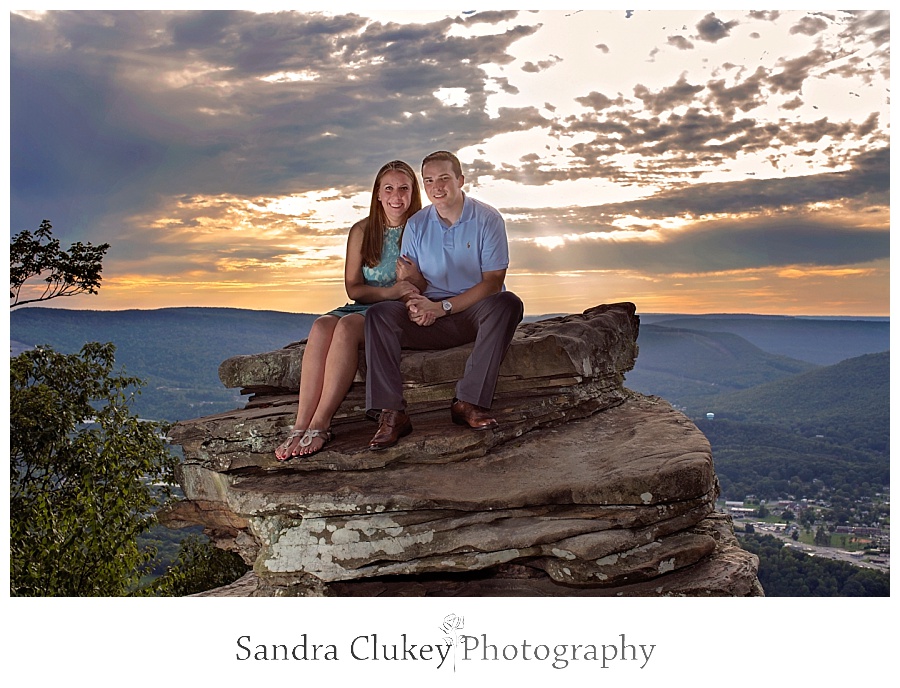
x,y
762,512
66,273
86,475
200,566
822,539
808,518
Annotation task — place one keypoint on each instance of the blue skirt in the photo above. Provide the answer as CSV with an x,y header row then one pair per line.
x,y
350,309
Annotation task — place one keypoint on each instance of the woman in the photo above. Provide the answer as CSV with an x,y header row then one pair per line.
x,y
370,275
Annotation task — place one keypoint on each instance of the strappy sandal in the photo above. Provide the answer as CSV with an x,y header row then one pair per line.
x,y
287,443
308,436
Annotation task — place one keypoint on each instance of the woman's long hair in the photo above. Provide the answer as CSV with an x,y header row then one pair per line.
x,y
373,236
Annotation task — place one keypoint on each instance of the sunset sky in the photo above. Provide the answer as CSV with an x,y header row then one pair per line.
x,y
689,161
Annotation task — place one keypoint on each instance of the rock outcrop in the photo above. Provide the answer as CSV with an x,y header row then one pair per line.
x,y
585,488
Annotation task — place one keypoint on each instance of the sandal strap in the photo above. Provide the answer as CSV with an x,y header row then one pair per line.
x,y
294,433
313,432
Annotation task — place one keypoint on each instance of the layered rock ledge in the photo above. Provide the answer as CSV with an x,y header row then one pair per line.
x,y
585,488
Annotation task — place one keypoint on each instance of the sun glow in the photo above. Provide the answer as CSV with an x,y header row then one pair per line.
x,y
288,77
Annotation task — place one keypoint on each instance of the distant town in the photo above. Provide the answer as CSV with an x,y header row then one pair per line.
x,y
856,531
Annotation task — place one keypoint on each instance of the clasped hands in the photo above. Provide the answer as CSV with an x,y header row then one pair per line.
x,y
421,310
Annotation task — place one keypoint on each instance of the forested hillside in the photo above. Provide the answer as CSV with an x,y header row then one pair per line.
x,y
782,426
687,367
815,340
846,403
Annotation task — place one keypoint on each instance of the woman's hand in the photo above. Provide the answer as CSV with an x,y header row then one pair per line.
x,y
402,290
409,271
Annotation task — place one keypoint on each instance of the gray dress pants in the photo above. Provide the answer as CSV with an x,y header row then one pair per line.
x,y
490,323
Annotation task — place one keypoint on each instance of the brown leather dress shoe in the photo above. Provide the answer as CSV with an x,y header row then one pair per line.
x,y
464,413
391,427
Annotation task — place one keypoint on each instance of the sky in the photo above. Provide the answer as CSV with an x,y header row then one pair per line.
x,y
689,162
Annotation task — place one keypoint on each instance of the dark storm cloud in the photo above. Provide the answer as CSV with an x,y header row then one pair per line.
x,y
111,111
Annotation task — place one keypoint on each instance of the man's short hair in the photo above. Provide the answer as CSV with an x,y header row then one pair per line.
x,y
444,155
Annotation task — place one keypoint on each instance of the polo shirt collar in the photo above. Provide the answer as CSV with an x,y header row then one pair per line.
x,y
467,212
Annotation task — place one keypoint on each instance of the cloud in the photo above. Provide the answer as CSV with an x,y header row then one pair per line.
x,y
809,26
680,93
833,219
113,111
864,188
680,42
175,135
713,29
764,15
541,65
713,247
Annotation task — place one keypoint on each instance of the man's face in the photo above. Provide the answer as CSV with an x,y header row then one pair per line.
x,y
443,187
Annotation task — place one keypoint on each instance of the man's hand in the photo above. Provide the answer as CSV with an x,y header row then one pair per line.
x,y
423,319
423,311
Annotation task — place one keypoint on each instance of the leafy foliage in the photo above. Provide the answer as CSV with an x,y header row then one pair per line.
x,y
200,566
85,475
829,427
770,462
66,273
846,403
785,572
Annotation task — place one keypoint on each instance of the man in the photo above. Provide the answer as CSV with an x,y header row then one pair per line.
x,y
455,251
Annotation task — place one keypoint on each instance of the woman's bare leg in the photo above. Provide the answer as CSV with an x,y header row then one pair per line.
x,y
340,368
312,377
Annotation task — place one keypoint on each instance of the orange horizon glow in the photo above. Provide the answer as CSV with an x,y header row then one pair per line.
x,y
813,291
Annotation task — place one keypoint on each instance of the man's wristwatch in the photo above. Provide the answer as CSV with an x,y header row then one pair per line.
x,y
447,306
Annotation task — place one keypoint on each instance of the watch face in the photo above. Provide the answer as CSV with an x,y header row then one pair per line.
x,y
447,305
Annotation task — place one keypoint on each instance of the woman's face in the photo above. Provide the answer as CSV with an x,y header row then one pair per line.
x,y
395,196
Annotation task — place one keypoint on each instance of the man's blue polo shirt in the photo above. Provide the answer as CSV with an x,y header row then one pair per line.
x,y
452,258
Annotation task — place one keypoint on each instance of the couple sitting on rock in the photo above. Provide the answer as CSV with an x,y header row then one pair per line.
x,y
420,278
